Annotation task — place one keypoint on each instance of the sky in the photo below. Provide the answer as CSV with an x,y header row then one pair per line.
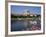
x,y
20,9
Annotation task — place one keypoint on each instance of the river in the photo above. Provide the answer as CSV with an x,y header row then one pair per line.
x,y
20,25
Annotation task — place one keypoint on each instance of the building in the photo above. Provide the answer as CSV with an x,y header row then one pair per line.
x,y
27,12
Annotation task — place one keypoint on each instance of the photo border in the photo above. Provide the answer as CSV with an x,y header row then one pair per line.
x,y
6,20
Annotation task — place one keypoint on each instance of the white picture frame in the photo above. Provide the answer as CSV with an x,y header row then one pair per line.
x,y
25,4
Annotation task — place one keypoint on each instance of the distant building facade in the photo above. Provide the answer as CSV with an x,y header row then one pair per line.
x,y
26,13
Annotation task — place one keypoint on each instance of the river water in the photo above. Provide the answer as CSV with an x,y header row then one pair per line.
x,y
20,25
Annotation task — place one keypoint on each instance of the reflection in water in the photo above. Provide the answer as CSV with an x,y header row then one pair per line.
x,y
24,25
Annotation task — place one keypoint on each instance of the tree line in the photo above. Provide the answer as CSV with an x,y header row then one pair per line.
x,y
28,16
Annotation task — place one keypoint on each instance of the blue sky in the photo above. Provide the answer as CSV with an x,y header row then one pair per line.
x,y
21,9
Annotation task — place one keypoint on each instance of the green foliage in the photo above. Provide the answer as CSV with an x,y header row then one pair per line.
x,y
12,16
